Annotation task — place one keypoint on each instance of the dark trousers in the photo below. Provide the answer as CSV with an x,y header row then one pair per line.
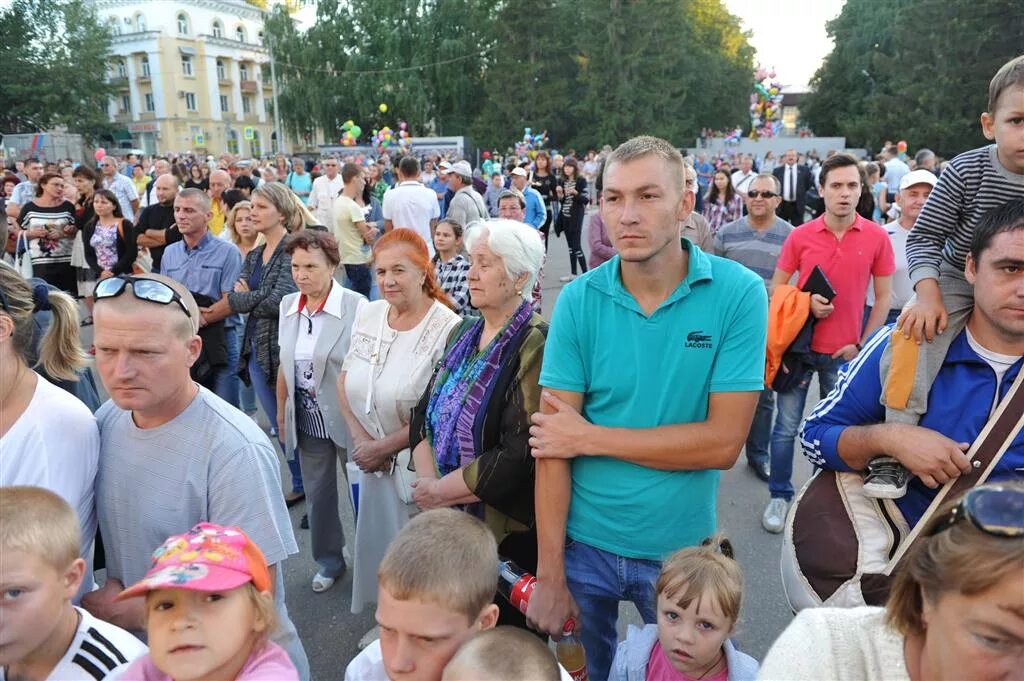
x,y
359,278
573,228
791,213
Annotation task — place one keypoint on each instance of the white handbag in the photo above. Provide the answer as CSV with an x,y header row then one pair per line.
x,y
23,259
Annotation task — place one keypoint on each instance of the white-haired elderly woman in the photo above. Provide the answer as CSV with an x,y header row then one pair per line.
x,y
470,430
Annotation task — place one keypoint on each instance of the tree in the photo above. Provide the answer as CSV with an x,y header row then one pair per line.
x,y
54,56
915,70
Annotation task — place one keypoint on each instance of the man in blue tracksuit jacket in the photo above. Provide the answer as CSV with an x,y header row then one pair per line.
x,y
847,429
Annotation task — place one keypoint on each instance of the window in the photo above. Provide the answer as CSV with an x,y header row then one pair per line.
x,y
243,72
218,30
259,37
240,34
126,104
190,101
140,23
232,141
255,149
115,26
150,104
268,105
186,64
145,66
182,24
198,138
122,70
224,103
246,104
222,73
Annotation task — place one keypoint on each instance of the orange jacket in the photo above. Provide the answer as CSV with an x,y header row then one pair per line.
x,y
787,314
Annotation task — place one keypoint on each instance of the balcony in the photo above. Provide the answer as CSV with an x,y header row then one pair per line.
x,y
249,85
120,82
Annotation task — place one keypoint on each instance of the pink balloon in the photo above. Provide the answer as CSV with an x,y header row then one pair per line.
x,y
100,154
403,125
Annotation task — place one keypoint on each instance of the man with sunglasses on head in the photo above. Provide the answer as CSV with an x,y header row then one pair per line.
x,y
847,430
755,241
172,454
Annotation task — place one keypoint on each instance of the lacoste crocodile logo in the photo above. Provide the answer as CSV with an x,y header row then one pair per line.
x,y
698,339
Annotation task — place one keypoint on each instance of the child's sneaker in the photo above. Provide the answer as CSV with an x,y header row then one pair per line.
x,y
886,478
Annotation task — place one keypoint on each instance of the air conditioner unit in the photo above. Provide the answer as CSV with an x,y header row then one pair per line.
x,y
181,94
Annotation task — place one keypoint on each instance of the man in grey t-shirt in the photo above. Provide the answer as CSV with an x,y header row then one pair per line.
x,y
755,241
173,454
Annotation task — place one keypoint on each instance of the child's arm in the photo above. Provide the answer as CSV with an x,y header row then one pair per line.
x,y
936,223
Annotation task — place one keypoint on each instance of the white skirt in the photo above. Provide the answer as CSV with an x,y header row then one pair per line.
x,y
382,515
78,252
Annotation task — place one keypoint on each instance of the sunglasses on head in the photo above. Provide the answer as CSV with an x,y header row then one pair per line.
x,y
149,290
764,195
995,510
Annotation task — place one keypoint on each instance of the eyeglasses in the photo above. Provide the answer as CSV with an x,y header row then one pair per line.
x,y
995,510
754,194
144,289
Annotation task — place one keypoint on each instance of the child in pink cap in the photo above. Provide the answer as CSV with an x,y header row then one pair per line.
x,y
209,611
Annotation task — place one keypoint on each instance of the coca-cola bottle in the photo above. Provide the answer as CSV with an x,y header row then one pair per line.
x,y
517,585
572,656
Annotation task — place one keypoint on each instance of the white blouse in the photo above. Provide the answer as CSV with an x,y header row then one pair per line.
x,y
399,362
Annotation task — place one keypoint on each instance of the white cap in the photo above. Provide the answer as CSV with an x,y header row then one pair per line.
x,y
445,167
918,177
462,169
521,172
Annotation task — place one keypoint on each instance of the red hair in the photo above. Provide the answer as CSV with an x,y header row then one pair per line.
x,y
416,249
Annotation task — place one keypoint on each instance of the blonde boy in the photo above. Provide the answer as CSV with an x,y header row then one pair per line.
x,y
503,654
436,588
42,635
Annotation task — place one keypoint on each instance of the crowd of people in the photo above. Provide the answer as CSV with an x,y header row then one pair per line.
x,y
385,317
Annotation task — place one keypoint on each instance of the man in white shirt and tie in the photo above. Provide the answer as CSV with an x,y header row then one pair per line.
x,y
795,180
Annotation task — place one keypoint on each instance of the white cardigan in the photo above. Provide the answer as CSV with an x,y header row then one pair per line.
x,y
839,644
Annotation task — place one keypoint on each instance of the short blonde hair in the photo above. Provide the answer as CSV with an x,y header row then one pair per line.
x,y
445,557
645,145
38,522
710,568
503,654
962,559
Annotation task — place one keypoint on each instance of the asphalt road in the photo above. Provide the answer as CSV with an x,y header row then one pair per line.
x,y
331,633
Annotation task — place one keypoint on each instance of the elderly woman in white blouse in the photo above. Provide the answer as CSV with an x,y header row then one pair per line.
x,y
395,345
314,330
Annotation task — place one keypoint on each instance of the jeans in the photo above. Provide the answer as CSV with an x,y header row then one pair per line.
x,y
761,427
598,580
247,399
889,318
226,382
267,395
359,278
790,414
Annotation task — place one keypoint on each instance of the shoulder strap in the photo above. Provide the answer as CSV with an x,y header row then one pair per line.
x,y
986,451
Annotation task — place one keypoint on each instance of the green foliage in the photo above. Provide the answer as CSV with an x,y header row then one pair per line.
x,y
589,72
914,70
54,56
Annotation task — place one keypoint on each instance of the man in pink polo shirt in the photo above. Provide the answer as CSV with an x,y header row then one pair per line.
x,y
852,252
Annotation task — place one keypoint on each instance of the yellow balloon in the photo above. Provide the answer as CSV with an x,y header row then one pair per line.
x,y
383,108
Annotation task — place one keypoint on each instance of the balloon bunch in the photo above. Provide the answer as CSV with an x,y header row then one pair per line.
x,y
765,105
350,133
530,143
732,137
385,137
491,164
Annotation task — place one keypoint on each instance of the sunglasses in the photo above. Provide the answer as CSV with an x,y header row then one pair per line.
x,y
763,195
144,289
998,511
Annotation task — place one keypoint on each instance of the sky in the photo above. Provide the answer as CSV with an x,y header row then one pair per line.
x,y
788,35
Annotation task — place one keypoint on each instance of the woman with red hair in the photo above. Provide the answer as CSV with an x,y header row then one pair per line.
x,y
396,342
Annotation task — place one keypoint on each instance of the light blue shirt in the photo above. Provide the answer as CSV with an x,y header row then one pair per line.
x,y
639,371
536,214
211,268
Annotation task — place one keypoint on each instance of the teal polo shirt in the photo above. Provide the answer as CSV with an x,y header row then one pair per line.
x,y
638,371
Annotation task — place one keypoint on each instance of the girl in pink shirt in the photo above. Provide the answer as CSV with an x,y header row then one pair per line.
x,y
209,611
699,593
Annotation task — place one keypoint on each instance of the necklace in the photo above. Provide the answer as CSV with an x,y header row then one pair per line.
x,y
714,664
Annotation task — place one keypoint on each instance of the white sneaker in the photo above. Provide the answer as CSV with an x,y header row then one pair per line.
x,y
566,278
774,518
322,583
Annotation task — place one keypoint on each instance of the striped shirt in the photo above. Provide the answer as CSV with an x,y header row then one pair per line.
x,y
972,184
98,651
755,250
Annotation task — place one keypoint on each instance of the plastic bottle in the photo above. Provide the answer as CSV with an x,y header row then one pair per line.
x,y
572,656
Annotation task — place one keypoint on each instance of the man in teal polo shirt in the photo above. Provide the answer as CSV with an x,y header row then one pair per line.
x,y
652,368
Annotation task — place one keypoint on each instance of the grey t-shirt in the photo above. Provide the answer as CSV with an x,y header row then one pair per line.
x,y
210,463
757,251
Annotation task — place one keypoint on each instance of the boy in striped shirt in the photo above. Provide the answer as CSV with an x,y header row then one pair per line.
x,y
973,183
42,635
